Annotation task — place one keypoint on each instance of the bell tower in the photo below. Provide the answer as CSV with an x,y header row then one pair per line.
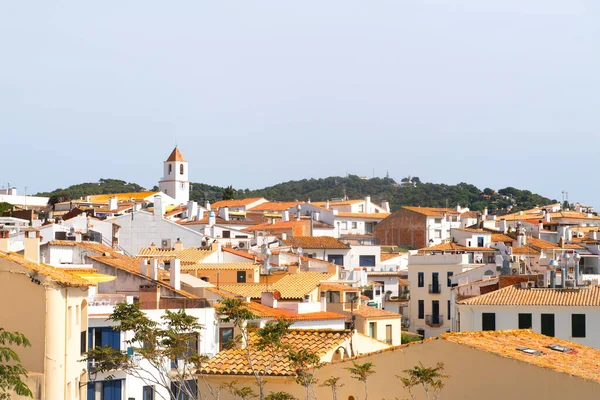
x,y
175,181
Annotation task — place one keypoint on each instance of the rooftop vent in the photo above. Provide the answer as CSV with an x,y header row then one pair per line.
x,y
558,347
530,351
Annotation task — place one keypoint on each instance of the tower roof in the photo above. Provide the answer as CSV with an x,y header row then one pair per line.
x,y
176,155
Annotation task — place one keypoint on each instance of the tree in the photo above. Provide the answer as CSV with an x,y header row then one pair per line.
x,y
361,372
174,339
333,384
243,393
228,193
11,370
428,377
280,396
305,363
266,340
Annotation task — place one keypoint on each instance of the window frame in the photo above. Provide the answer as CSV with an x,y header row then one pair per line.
x,y
488,319
580,326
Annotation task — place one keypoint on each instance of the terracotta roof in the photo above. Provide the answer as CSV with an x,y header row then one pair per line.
x,y
362,215
291,286
454,247
276,206
472,230
389,256
501,237
58,275
372,312
277,225
218,266
525,250
239,253
513,296
431,211
337,287
582,361
235,203
103,198
384,273
189,255
219,221
469,214
235,362
337,203
176,155
316,242
544,244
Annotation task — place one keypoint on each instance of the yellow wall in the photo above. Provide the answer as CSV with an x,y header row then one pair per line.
x,y
474,374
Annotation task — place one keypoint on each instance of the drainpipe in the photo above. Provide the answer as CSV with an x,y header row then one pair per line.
x,y
66,341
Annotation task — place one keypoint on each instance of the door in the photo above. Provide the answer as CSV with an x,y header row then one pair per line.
x,y
435,312
435,282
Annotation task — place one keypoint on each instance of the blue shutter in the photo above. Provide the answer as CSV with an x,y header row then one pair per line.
x,y
112,338
90,338
111,390
90,391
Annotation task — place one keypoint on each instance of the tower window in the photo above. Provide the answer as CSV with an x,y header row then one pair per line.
x,y
183,185
181,169
170,168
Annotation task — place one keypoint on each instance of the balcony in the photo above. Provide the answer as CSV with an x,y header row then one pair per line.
x,y
434,321
436,289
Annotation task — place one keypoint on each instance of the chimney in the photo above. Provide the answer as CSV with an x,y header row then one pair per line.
x,y
144,267
200,214
212,219
207,205
546,216
159,209
112,203
285,216
458,208
367,204
78,237
502,225
192,210
327,204
485,212
154,269
224,213
386,206
323,301
32,247
150,296
175,274
267,299
317,215
521,239
298,209
540,225
284,236
178,245
4,240
568,235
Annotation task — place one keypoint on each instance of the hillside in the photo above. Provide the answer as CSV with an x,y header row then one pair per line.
x,y
380,189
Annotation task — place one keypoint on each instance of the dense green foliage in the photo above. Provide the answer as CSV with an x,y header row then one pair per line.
x,y
5,207
353,187
103,186
12,372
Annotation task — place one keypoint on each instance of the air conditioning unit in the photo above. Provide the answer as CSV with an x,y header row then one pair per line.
x,y
541,280
530,285
165,243
242,245
514,271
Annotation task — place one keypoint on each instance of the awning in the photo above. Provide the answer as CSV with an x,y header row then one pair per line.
x,y
95,277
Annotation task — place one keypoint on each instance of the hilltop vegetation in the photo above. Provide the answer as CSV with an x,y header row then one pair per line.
x,y
416,193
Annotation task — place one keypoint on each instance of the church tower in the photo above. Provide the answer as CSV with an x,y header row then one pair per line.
x,y
175,181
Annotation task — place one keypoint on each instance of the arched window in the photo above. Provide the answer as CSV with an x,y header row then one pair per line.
x,y
181,169
170,168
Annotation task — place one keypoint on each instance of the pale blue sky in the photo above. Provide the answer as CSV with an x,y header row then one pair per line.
x,y
493,93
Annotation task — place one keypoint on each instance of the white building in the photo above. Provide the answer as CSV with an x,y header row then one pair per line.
x,y
175,182
570,314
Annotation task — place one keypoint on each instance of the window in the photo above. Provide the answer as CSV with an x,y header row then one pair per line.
x,y
548,324
344,225
83,342
388,334
421,309
366,261
372,330
421,279
421,332
226,234
449,275
105,336
437,221
525,321
435,283
336,259
241,276
480,241
449,308
578,325
181,394
488,321
437,234
225,336
148,393
183,185
354,224
170,168
180,169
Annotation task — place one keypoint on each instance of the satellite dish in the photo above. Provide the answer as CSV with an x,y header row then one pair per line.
x,y
300,251
276,295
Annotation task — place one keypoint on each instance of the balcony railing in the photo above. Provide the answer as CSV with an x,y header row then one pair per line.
x,y
434,320
435,288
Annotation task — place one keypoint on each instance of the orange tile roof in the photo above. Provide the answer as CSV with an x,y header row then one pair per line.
x,y
472,230
235,362
431,211
219,266
454,247
501,237
316,242
58,275
291,286
525,250
337,203
239,253
188,255
176,155
363,215
389,256
235,203
337,287
372,312
583,361
277,225
516,296
276,206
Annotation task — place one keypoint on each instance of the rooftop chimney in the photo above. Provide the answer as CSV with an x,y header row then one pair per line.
x,y
267,299
285,216
298,209
224,213
159,209
192,210
327,204
386,206
323,301
175,274
32,247
212,219
150,296
144,267
207,205
4,240
154,269
502,225
367,204
178,245
112,203
283,236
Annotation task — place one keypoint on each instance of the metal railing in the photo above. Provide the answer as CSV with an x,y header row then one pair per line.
x,y
434,320
435,288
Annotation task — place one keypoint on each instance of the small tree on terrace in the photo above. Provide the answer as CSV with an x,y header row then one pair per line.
x,y
429,378
11,370
305,363
361,372
168,351
333,384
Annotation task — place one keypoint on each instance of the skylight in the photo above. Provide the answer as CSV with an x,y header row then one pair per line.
x,y
530,351
558,347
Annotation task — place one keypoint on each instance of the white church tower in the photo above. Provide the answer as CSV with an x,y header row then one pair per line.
x,y
175,181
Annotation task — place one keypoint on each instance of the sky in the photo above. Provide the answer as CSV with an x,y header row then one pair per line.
x,y
494,93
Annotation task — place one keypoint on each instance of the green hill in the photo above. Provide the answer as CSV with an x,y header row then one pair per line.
x,y
353,187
